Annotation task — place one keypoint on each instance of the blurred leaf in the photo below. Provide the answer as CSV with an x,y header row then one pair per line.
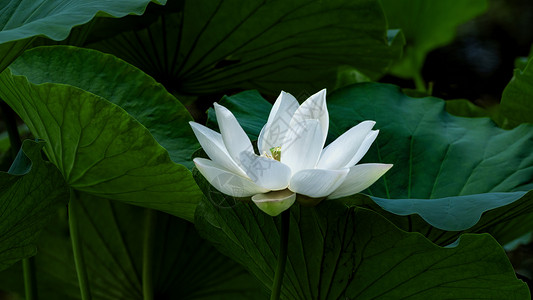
x,y
4,138
185,266
517,99
205,47
98,147
465,108
427,25
338,252
447,169
349,75
516,243
514,228
521,63
21,20
29,195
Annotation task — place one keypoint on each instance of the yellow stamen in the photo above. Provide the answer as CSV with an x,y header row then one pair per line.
x,y
276,153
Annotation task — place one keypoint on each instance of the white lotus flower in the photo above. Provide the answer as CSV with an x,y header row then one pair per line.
x,y
292,159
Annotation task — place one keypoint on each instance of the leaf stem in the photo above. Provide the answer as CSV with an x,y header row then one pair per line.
x,y
79,262
282,258
30,280
420,84
148,254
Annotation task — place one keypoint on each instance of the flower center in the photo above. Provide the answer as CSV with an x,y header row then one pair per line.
x,y
276,153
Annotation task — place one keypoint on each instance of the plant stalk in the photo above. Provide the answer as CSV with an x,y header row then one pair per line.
x,y
30,280
420,84
148,254
79,262
282,258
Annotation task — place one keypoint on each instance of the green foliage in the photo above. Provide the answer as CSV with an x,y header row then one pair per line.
x,y
97,145
119,83
21,20
426,25
340,252
115,136
465,108
205,47
516,105
184,265
429,147
29,196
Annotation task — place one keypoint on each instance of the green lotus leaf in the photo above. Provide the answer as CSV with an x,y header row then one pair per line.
x,y
465,163
98,146
516,105
205,47
21,20
184,266
451,213
465,108
120,83
30,193
340,252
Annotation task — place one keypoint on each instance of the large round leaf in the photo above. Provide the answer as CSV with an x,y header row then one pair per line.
x,y
447,169
203,47
100,148
184,265
20,20
338,252
29,196
120,83
436,155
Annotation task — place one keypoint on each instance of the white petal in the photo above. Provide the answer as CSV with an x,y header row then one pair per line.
x,y
369,139
266,172
340,152
302,146
212,143
313,108
274,203
317,183
274,131
225,181
359,178
234,137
